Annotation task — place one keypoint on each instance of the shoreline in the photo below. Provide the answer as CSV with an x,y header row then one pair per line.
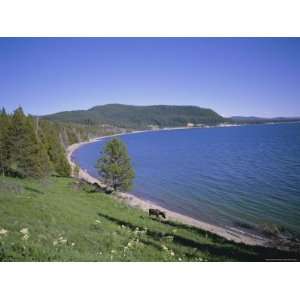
x,y
232,234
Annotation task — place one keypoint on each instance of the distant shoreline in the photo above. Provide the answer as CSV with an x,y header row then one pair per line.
x,y
233,234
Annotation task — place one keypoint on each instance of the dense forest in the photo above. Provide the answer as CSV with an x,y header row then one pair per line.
x,y
30,147
35,147
139,117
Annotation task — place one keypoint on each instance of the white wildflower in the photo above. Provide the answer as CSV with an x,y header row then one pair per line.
x,y
98,221
172,253
61,240
165,247
25,237
24,230
73,244
3,231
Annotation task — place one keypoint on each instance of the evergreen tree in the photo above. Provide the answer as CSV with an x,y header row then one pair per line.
x,y
49,135
27,156
114,166
4,125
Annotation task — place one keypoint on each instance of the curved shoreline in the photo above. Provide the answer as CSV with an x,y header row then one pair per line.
x,y
232,234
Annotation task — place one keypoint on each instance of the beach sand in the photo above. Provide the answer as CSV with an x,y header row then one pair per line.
x,y
232,234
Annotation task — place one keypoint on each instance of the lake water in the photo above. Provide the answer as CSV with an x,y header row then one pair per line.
x,y
225,176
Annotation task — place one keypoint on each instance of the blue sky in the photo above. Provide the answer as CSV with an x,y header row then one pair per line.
x,y
259,76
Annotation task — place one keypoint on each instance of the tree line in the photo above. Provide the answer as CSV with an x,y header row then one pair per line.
x,y
30,146
35,147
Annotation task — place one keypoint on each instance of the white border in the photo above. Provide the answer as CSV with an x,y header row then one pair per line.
x,y
148,281
149,18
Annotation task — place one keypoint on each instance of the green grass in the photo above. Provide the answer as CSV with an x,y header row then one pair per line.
x,y
62,222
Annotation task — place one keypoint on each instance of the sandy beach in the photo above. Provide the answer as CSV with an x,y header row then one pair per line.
x,y
134,201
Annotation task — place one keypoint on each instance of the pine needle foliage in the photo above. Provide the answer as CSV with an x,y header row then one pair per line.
x,y
114,166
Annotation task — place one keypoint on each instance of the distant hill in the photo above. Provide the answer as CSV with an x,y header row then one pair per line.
x,y
252,120
130,116
246,118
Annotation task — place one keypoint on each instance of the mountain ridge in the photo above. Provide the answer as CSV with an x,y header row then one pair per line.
x,y
133,116
154,116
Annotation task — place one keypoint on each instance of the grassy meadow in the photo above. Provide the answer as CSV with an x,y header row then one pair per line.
x,y
56,219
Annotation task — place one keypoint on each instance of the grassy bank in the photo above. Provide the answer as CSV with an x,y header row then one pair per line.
x,y
58,220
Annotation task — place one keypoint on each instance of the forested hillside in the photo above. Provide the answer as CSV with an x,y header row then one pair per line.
x,y
139,117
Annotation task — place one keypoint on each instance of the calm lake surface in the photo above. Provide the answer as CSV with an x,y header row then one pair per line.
x,y
225,176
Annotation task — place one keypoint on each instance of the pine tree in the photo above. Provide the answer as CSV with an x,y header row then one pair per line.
x,y
27,156
49,135
4,125
114,166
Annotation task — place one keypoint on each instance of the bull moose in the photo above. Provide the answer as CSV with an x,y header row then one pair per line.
x,y
157,213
